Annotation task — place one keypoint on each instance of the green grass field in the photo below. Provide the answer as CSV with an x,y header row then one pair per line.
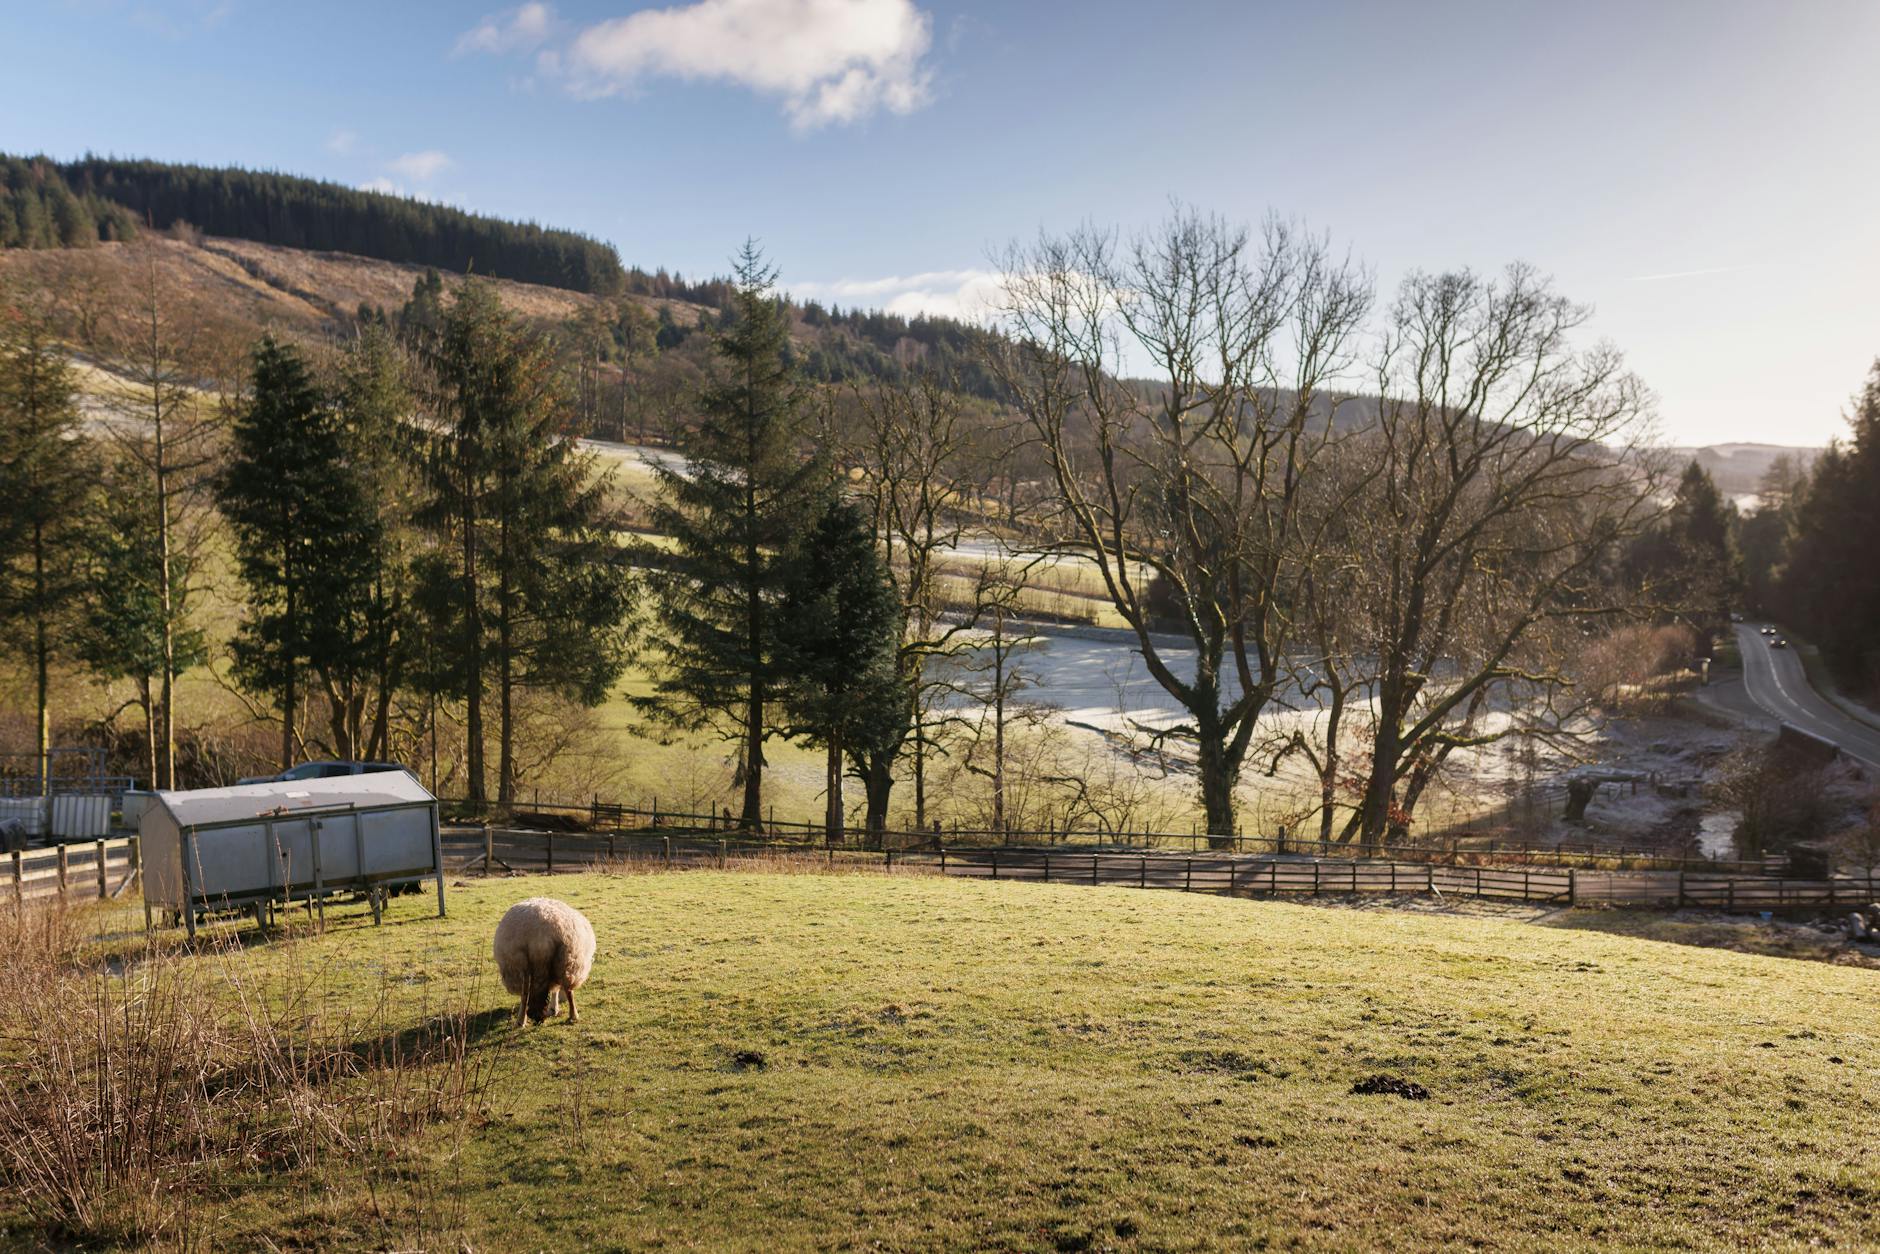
x,y
972,1065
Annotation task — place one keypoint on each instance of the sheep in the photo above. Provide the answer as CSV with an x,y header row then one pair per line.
x,y
544,946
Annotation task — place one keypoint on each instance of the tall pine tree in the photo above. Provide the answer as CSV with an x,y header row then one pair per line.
x,y
734,515
1831,582
529,592
46,476
301,527
839,641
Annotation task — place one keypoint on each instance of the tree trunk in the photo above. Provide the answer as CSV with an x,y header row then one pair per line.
x,y
506,683
753,817
1328,773
920,773
998,722
877,786
832,814
150,729
166,605
290,646
1379,788
473,629
42,725
1579,795
1218,777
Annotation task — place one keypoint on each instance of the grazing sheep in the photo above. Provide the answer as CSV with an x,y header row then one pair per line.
x,y
544,946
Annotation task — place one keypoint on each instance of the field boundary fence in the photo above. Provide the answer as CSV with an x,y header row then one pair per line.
x,y
1458,848
493,850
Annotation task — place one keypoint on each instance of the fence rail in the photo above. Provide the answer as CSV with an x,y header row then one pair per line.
x,y
1465,848
100,868
491,850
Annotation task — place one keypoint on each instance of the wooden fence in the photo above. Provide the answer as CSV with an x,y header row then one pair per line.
x,y
1462,848
77,871
495,850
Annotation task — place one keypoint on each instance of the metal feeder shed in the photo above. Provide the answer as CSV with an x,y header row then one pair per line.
x,y
254,845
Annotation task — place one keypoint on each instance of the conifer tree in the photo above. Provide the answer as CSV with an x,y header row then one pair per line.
x,y
1831,582
734,515
839,638
123,631
373,401
46,477
529,592
301,528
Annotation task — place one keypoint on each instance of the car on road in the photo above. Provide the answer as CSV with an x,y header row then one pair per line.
x,y
1767,630
325,770
1778,643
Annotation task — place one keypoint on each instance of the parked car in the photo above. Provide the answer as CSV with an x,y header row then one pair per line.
x,y
325,770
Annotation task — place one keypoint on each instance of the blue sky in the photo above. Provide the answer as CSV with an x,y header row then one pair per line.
x,y
1705,174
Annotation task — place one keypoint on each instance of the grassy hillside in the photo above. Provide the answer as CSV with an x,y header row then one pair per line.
x,y
264,286
770,1061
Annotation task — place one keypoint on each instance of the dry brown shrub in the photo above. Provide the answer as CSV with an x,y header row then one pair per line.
x,y
132,1082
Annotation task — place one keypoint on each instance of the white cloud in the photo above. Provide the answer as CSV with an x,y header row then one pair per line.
x,y
826,61
419,166
968,295
514,30
341,142
391,188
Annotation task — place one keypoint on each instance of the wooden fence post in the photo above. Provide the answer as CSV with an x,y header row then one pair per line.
x,y
1573,887
1315,877
63,863
943,859
721,855
1429,877
1047,868
1188,880
137,869
104,890
995,863
1142,872
1094,860
667,842
19,878
551,851
489,848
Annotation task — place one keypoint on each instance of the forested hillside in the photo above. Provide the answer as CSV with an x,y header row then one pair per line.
x,y
66,204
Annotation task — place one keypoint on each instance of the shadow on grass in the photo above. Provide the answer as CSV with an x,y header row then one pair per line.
x,y
1775,939
426,1039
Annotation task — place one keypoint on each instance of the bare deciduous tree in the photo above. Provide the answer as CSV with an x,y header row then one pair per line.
x,y
1506,474
1198,478
169,403
911,451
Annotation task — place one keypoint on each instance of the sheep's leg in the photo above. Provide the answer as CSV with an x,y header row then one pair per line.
x,y
572,1016
522,1007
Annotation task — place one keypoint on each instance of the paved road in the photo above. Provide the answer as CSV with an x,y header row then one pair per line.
x,y
1778,685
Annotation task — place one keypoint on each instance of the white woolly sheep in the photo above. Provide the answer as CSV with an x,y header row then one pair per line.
x,y
543,947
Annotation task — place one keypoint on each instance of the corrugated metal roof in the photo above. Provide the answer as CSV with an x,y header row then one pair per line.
x,y
246,801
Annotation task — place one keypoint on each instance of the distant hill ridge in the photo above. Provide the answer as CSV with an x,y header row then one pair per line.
x,y
51,204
